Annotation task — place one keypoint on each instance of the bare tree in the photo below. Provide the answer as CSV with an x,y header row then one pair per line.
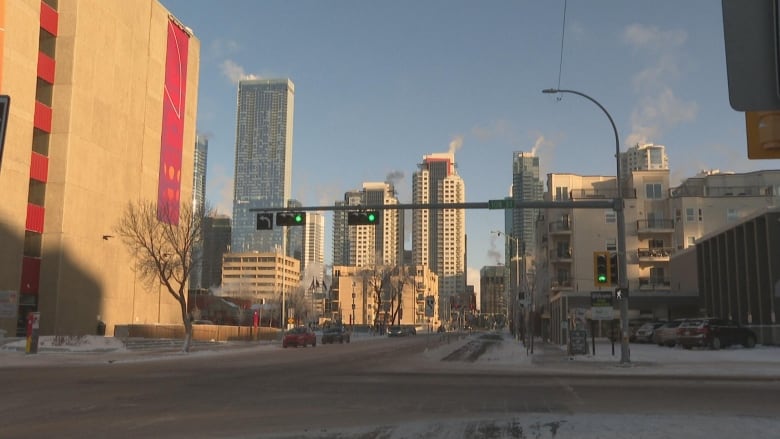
x,y
162,249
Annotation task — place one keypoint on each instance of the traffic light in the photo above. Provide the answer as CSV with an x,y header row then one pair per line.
x,y
763,134
613,268
600,268
290,218
362,218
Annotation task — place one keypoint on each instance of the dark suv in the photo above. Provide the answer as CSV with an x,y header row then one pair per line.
x,y
714,333
335,334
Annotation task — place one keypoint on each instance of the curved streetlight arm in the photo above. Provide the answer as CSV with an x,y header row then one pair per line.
x,y
621,230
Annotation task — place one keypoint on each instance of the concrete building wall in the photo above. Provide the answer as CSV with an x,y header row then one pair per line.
x,y
102,152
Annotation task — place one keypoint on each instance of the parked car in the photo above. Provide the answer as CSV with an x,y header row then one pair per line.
x,y
299,336
645,332
335,334
714,333
410,330
666,334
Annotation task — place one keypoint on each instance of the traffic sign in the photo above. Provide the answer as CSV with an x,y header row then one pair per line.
x,y
501,204
763,134
291,320
265,221
430,303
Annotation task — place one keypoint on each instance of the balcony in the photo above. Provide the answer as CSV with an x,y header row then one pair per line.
x,y
560,255
655,226
655,254
653,283
561,284
562,226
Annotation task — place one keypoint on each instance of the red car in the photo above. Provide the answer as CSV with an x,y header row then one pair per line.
x,y
300,336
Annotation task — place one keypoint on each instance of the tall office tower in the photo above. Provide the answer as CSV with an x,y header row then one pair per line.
x,y
199,173
363,246
341,243
103,114
216,242
313,255
492,292
263,170
526,186
439,235
198,203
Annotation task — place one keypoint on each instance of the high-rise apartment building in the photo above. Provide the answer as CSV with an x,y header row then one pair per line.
x,y
198,204
439,235
644,157
313,255
106,119
526,186
263,168
369,245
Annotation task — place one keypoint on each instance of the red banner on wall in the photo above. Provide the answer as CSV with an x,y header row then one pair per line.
x,y
172,139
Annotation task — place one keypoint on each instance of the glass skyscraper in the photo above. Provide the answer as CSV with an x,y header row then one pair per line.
x,y
263,172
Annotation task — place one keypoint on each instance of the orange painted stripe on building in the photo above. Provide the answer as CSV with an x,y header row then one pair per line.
x,y
49,19
35,215
42,117
39,167
46,67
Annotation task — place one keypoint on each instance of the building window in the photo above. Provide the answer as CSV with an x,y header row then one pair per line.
x,y
690,215
732,215
653,190
691,240
561,193
610,216
611,245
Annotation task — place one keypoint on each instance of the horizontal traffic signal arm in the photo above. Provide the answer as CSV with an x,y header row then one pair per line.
x,y
584,204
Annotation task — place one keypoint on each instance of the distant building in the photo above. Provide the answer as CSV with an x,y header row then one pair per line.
x,y
263,172
199,204
216,242
259,277
439,235
492,290
367,245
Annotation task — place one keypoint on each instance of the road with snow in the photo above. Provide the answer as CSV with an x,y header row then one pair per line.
x,y
481,386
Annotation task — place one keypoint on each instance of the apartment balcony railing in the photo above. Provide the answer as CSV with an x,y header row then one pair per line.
x,y
721,191
561,284
560,226
655,253
655,226
579,194
560,255
653,283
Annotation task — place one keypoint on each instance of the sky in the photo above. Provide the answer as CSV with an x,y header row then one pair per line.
x,y
378,85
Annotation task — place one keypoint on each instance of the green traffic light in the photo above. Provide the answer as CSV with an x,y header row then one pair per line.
x,y
602,279
298,218
371,217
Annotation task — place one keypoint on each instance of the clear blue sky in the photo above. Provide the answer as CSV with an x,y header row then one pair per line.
x,y
379,84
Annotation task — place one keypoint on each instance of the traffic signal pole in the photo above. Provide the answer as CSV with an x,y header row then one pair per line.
x,y
621,232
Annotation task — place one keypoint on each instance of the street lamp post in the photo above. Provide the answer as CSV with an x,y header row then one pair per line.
x,y
515,297
621,231
352,318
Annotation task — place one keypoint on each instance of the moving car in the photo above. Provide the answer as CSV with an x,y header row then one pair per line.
x,y
395,331
299,336
666,334
714,333
335,334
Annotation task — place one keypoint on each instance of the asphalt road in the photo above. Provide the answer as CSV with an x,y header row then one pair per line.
x,y
385,388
